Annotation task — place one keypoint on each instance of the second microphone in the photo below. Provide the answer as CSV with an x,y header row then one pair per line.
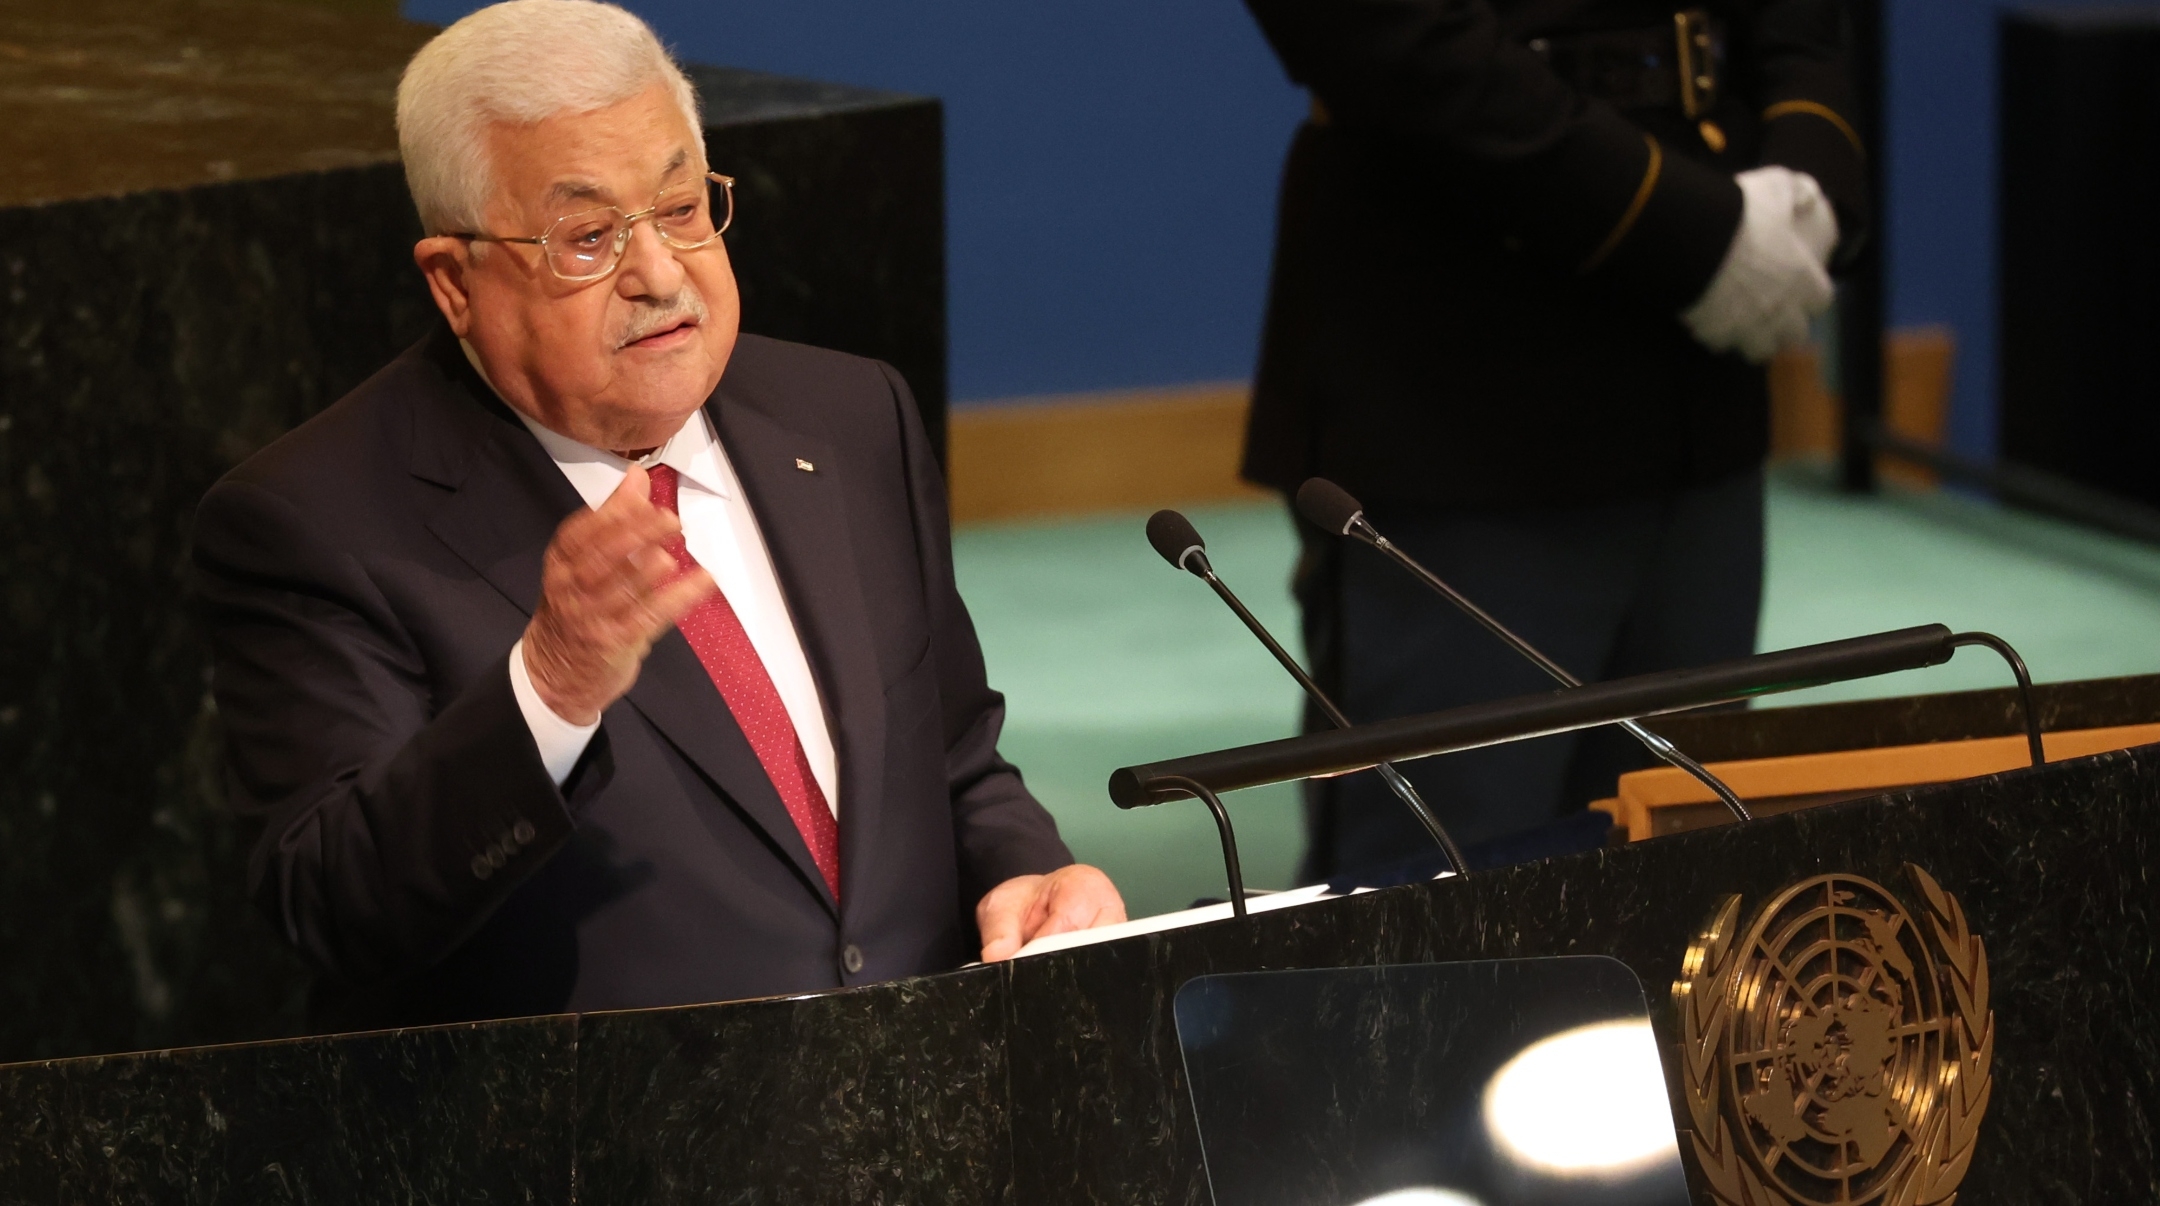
x,y
1174,537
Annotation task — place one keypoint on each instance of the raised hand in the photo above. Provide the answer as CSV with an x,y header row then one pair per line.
x,y
609,588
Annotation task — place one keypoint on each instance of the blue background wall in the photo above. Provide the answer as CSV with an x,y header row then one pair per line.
x,y
1112,168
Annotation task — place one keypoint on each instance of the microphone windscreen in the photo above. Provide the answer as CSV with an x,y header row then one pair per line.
x,y
1327,506
1173,535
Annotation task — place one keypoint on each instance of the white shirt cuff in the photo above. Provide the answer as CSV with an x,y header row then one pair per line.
x,y
560,742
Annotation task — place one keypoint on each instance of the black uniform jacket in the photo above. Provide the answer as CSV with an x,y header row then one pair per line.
x,y
1479,266
364,578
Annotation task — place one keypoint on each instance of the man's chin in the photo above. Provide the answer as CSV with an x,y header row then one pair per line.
x,y
675,386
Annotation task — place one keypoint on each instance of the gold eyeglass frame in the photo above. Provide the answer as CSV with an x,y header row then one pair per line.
x,y
622,233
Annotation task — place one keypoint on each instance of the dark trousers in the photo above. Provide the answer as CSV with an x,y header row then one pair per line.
x,y
1606,591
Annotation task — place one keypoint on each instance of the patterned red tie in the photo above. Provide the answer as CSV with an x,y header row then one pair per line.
x,y
717,636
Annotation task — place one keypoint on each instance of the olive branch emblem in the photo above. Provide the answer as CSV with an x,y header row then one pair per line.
x,y
1969,1076
1944,1134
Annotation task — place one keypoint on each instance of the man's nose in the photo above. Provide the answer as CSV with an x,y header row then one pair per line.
x,y
649,268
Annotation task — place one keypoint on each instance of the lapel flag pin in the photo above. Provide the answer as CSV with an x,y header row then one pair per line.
x,y
805,466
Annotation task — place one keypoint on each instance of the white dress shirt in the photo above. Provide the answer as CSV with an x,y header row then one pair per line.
x,y
722,535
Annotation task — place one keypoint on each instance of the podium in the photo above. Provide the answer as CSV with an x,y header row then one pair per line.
x,y
1059,1078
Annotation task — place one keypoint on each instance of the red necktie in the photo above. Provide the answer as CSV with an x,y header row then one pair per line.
x,y
718,638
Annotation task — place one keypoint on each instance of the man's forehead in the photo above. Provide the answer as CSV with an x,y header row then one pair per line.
x,y
583,186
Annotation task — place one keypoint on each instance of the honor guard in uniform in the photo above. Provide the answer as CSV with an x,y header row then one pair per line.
x,y
1531,257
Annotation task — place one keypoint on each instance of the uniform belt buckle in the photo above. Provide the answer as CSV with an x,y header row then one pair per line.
x,y
1696,60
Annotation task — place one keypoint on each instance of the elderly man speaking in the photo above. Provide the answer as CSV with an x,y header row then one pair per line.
x,y
591,655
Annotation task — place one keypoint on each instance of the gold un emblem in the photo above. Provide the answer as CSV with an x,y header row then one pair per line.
x,y
1839,1052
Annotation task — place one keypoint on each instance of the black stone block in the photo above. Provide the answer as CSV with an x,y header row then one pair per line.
x,y
890,1094
460,1114
2079,176
839,236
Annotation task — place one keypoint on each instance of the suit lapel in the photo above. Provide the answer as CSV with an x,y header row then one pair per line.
x,y
803,517
509,499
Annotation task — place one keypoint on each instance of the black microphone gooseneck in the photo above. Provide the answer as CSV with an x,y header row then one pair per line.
x,y
1330,508
2024,685
1179,542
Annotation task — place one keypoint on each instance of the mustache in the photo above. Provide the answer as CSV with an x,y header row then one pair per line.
x,y
650,318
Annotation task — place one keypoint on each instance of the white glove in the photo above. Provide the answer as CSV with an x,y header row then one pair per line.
x,y
1773,280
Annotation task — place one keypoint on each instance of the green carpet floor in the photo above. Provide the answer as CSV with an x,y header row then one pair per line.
x,y
1108,657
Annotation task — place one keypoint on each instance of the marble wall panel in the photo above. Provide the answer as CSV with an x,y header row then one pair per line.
x,y
894,1093
147,344
840,220
479,1114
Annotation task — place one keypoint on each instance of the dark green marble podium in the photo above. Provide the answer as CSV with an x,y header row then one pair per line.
x,y
204,239
1058,1079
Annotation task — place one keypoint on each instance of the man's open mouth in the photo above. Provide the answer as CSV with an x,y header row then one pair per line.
x,y
662,333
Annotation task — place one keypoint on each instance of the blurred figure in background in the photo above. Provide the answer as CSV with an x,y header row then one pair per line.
x,y
1531,257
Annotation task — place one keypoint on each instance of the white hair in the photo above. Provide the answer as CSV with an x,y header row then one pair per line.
x,y
521,62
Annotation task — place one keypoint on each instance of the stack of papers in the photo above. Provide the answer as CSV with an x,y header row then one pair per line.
x,y
1185,917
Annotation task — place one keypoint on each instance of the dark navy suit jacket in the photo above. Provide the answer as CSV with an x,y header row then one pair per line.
x,y
363,580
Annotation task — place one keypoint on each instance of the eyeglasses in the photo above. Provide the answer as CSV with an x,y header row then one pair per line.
x,y
587,246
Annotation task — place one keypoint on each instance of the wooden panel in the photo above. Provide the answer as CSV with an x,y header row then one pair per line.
x,y
1917,367
1773,785
1102,452
1735,734
1803,414
1141,449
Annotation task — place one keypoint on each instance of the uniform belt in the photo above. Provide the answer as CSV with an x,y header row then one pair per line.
x,y
1674,66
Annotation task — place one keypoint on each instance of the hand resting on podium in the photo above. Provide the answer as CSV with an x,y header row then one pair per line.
x,y
1028,907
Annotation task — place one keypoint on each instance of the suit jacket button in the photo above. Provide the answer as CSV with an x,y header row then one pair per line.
x,y
481,867
851,958
522,831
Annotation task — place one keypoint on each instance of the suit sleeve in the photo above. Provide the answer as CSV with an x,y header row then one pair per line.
x,y
1805,89
1001,829
1578,185
395,822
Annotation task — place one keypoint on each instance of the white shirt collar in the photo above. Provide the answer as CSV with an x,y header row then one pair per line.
x,y
693,452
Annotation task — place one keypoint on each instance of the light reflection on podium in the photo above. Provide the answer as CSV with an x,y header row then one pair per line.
x,y
1492,1083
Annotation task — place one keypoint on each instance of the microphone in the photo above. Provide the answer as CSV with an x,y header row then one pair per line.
x,y
1331,508
1179,542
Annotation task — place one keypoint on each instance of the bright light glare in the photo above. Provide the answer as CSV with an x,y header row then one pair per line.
x,y
1422,1195
1585,1102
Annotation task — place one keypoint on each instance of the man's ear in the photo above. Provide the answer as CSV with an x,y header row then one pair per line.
x,y
444,261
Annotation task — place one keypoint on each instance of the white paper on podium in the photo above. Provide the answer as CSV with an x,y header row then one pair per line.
x,y
1185,917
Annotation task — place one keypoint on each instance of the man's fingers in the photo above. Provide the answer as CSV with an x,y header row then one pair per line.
x,y
674,599
1068,908
1028,907
1002,916
632,492
601,541
1083,898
